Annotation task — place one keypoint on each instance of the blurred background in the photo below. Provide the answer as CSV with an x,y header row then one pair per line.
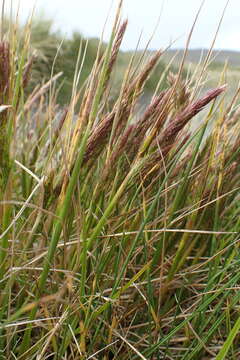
x,y
67,24
176,18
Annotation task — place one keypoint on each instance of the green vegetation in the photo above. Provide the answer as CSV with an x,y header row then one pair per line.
x,y
51,51
119,228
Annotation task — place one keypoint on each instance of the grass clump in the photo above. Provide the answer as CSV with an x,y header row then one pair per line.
x,y
46,43
119,228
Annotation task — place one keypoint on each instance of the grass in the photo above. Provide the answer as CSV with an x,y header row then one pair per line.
x,y
46,43
119,227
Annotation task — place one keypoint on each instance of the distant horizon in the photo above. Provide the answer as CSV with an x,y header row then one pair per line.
x,y
176,19
192,48
181,49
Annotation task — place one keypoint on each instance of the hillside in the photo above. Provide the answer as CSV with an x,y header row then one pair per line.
x,y
194,55
45,44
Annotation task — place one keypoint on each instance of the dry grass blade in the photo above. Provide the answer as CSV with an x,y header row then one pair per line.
x,y
167,138
119,215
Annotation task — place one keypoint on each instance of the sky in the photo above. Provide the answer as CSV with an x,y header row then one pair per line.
x,y
173,19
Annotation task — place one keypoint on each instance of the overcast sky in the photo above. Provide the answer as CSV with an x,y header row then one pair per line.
x,y
88,17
